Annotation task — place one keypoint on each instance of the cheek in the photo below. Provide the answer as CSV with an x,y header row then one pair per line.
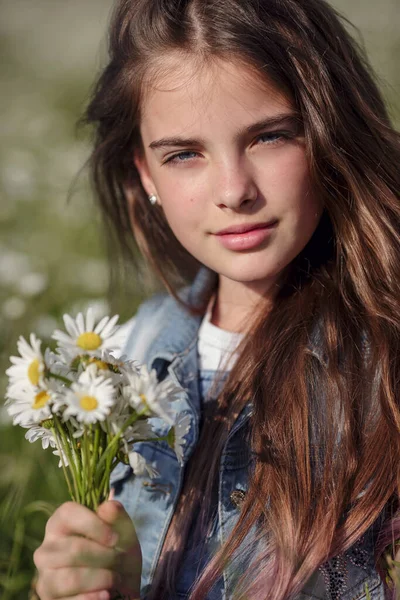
x,y
301,208
295,173
183,214
296,186
179,200
286,176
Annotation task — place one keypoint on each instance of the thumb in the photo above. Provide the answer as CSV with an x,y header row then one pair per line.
x,y
130,562
113,513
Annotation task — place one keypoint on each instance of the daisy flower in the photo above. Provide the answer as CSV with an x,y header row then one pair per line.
x,y
144,393
41,433
27,370
29,405
140,466
176,435
83,337
89,399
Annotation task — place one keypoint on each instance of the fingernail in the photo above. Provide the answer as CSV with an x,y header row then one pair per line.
x,y
104,595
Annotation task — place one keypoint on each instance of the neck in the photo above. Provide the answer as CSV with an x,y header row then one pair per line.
x,y
236,303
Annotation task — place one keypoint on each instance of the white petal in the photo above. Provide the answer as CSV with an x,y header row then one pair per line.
x,y
140,466
70,326
109,327
62,337
80,322
137,462
35,343
112,342
101,324
24,348
89,320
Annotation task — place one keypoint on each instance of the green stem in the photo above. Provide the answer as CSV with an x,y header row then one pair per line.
x,y
91,463
114,440
104,487
94,456
66,476
96,443
77,462
86,464
65,380
91,460
67,449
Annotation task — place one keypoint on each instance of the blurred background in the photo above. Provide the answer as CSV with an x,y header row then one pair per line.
x,y
52,252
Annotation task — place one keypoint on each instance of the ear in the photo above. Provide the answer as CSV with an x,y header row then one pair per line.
x,y
147,182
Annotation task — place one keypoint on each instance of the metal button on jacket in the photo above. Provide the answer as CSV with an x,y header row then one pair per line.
x,y
237,497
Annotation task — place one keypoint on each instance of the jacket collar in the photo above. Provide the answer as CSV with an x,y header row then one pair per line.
x,y
180,331
174,350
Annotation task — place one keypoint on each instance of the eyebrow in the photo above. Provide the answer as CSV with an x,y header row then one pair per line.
x,y
268,122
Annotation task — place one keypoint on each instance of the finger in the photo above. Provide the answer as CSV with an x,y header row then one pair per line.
x,y
65,582
73,519
129,562
74,551
114,514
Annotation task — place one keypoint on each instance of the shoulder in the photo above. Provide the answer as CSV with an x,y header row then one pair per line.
x,y
145,324
160,312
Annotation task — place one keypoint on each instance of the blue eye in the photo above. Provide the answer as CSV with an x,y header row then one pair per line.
x,y
181,157
272,137
268,138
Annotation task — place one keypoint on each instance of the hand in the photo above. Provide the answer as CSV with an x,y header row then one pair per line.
x,y
86,555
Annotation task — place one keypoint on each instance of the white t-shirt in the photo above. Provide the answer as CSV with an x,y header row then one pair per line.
x,y
216,347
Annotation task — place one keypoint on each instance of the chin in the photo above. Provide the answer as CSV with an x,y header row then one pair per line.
x,y
251,274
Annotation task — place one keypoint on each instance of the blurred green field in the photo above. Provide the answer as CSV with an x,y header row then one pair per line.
x,y
52,254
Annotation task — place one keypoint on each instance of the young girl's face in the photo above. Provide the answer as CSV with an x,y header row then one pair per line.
x,y
223,149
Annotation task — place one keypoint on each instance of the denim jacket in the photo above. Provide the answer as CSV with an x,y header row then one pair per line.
x,y
164,337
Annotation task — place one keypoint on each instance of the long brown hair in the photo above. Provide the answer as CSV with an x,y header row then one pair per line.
x,y
321,473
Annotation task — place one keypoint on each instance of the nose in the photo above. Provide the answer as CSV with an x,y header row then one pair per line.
x,y
235,187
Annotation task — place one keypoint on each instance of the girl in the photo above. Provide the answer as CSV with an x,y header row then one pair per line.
x,y
247,149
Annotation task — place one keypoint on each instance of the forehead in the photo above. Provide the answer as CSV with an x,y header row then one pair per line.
x,y
183,93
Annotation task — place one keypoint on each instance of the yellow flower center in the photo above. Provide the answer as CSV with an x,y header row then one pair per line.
x,y
34,372
41,399
88,402
89,341
143,398
101,364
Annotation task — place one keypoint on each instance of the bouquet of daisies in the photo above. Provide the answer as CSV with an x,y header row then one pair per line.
x,y
89,406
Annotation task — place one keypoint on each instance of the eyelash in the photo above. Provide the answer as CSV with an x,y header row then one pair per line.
x,y
278,135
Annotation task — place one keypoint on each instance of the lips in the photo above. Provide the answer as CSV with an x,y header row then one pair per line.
x,y
246,237
244,228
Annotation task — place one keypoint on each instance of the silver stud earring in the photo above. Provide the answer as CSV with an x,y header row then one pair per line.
x,y
153,199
